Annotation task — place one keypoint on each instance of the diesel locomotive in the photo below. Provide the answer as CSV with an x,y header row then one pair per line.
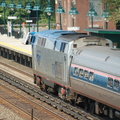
x,y
79,68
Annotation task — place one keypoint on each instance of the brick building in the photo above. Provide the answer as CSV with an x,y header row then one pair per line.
x,y
82,20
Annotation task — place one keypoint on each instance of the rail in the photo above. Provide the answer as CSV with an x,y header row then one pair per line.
x,y
37,93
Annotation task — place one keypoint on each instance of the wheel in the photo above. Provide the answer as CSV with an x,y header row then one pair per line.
x,y
92,108
86,105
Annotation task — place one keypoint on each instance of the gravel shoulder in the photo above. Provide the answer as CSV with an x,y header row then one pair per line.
x,y
7,114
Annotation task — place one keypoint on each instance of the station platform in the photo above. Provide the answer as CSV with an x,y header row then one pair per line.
x,y
15,45
13,49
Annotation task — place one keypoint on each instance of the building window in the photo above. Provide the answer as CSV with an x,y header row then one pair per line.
x,y
91,77
110,82
76,71
81,73
116,84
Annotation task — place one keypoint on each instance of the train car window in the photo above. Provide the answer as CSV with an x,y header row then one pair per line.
x,y
91,76
86,74
62,48
54,45
110,82
81,74
76,71
116,84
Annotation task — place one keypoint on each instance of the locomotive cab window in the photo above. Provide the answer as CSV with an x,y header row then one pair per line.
x,y
116,84
39,41
81,73
76,71
66,48
43,41
33,39
54,45
91,76
57,45
62,48
110,82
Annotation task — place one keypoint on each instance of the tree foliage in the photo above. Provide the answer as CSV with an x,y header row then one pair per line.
x,y
42,14
114,9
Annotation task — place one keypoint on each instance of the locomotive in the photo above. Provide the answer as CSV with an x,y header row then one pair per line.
x,y
79,68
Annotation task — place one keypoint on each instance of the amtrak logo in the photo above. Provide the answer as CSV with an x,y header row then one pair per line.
x,y
38,57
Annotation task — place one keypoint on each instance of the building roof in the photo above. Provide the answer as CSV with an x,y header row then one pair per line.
x,y
103,31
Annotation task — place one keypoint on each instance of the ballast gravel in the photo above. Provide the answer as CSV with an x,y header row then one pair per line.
x,y
7,114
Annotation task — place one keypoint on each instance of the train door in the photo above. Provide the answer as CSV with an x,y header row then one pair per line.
x,y
58,70
61,70
61,60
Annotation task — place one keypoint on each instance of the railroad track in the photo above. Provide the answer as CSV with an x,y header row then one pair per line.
x,y
16,69
37,93
26,106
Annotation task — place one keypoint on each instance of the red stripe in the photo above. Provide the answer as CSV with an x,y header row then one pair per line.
x,y
60,84
52,81
95,71
40,76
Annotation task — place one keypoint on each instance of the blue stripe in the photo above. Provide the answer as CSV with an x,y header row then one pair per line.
x,y
98,80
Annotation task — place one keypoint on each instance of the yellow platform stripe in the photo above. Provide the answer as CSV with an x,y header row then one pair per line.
x,y
16,48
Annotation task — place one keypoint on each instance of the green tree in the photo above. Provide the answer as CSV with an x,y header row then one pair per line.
x,y
114,9
43,15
